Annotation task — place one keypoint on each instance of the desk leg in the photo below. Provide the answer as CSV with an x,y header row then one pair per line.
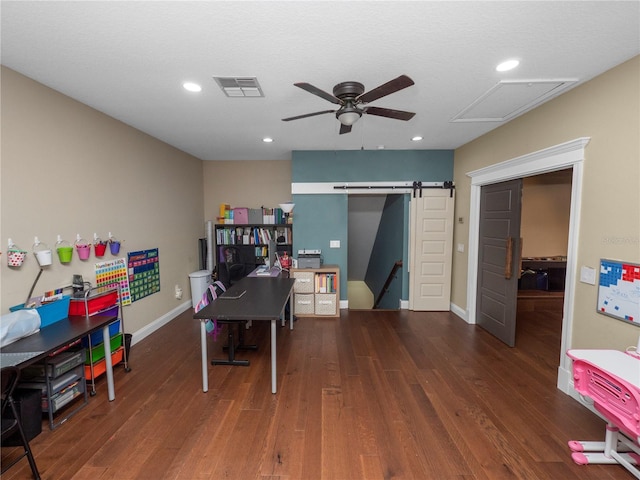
x,y
273,356
108,363
290,311
203,349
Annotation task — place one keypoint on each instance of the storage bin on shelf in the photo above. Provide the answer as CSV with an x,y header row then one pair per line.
x,y
50,312
98,301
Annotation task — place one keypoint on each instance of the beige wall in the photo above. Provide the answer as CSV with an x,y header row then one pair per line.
x,y
544,222
249,184
607,109
68,169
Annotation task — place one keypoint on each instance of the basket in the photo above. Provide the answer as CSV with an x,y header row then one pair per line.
x,y
100,248
15,258
114,246
65,254
44,257
83,251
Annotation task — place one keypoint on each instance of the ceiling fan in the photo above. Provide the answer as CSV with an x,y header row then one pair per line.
x,y
352,100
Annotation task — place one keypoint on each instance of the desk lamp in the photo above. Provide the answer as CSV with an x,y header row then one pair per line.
x,y
287,208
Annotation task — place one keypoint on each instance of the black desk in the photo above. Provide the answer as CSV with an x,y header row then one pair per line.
x,y
57,335
265,298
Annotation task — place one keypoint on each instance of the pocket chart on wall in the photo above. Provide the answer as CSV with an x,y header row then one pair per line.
x,y
619,290
114,272
144,273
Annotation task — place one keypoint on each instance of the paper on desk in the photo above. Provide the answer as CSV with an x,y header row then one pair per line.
x,y
18,324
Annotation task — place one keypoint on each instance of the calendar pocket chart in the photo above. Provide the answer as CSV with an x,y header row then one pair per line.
x,y
144,273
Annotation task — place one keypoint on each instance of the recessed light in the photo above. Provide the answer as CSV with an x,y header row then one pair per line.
x,y
192,87
267,139
508,65
417,138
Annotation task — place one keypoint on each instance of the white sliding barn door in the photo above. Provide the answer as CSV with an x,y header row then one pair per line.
x,y
430,250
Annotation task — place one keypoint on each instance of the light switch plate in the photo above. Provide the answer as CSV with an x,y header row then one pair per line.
x,y
334,243
588,275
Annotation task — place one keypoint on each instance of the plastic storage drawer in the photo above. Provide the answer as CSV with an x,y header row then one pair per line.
x,y
97,352
97,301
100,367
97,336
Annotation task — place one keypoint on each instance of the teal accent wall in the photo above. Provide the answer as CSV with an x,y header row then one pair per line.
x,y
371,165
319,218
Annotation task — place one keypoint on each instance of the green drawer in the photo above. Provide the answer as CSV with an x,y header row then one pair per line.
x,y
98,350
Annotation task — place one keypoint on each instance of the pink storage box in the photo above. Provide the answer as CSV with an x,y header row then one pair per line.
x,y
240,216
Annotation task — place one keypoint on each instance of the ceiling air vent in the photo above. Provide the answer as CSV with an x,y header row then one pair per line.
x,y
240,86
508,99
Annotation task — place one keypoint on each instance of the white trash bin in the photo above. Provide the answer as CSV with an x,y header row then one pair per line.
x,y
200,281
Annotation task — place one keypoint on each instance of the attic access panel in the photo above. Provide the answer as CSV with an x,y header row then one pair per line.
x,y
509,98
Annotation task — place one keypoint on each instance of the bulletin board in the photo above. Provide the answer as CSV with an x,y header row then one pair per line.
x,y
144,273
619,290
114,272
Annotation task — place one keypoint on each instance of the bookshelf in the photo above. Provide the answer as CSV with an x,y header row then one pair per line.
x,y
252,241
316,292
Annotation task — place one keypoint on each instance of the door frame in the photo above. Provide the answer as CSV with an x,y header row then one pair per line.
x,y
559,157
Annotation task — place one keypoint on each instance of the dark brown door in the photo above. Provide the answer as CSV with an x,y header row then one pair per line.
x,y
499,259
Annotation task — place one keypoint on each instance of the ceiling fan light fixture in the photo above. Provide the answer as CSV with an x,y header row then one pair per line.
x,y
349,116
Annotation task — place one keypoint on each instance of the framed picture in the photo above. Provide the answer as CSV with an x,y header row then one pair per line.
x,y
619,290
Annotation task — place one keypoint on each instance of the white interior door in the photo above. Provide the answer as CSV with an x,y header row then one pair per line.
x,y
431,249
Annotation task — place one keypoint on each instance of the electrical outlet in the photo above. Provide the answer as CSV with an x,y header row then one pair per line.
x,y
178,292
334,243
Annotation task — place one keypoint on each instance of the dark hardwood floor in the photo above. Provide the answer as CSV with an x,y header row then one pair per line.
x,y
374,395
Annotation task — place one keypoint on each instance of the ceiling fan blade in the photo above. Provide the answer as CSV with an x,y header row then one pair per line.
x,y
389,113
308,115
388,88
320,93
345,128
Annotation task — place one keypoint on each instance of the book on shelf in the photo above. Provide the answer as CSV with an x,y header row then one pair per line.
x,y
326,283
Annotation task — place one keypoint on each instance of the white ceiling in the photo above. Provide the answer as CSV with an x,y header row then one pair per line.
x,y
129,60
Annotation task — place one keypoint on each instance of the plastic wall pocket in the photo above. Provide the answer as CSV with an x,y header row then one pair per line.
x,y
83,248
42,253
64,249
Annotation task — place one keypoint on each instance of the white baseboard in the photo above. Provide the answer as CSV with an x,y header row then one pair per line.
x,y
460,312
404,304
565,382
159,323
